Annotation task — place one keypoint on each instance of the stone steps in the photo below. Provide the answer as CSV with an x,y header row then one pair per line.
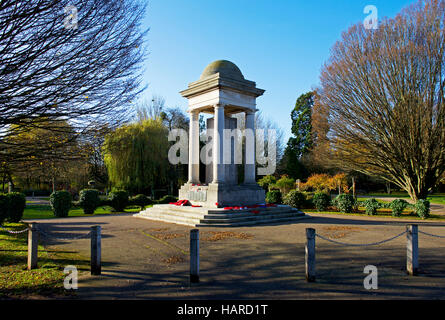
x,y
255,222
201,217
218,212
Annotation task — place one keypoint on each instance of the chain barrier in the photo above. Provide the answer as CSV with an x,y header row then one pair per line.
x,y
47,235
431,235
14,232
360,245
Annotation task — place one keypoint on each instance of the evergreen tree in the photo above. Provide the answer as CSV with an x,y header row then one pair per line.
x,y
301,142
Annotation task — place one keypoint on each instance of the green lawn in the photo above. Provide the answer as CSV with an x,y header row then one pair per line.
x,y
438,198
381,213
378,200
395,194
45,212
46,280
15,280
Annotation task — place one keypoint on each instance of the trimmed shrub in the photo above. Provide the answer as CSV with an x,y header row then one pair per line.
x,y
266,182
422,208
274,196
16,206
371,206
321,201
285,184
167,199
385,205
295,199
118,200
397,206
89,200
104,202
344,203
140,200
60,202
308,203
3,207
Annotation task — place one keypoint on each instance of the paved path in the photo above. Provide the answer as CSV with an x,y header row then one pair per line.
x,y
146,259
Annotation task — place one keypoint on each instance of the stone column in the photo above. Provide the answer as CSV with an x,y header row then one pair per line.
x,y
249,167
194,148
218,127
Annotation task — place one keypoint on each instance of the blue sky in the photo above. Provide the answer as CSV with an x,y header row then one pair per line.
x,y
281,44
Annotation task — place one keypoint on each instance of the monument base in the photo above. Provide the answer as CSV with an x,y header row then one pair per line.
x,y
221,195
218,217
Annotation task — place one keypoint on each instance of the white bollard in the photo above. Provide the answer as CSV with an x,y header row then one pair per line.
x,y
310,255
194,256
412,249
33,245
96,244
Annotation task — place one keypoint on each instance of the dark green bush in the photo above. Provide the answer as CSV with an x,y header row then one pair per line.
x,y
3,207
89,200
295,199
274,196
371,206
119,200
16,206
344,203
321,201
397,206
422,208
140,200
308,201
385,205
60,202
167,199
104,202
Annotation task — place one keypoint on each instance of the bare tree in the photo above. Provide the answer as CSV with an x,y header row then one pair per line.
x,y
150,110
384,90
77,61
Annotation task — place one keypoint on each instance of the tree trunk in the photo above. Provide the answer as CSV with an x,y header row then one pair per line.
x,y
353,187
4,182
388,187
11,184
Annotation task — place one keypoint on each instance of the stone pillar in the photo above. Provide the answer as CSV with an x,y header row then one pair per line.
x,y
218,127
249,167
194,148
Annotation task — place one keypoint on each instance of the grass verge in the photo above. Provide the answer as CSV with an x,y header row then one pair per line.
x,y
382,213
45,212
438,198
47,280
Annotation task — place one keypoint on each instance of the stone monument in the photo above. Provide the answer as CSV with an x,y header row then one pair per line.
x,y
223,92
221,200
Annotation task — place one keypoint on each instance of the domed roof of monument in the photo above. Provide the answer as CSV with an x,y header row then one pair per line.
x,y
225,68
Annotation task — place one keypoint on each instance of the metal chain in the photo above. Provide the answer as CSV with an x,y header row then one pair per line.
x,y
431,235
360,245
14,232
47,235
